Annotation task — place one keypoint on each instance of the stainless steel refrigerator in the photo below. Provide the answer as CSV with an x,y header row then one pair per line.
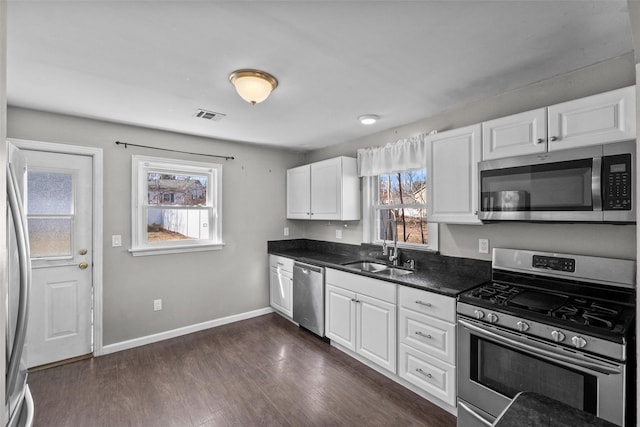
x,y
19,408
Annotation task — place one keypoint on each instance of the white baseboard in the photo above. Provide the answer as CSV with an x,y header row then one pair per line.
x,y
149,339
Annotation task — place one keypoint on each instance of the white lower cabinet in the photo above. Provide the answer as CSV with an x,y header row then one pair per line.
x,y
361,316
427,335
281,284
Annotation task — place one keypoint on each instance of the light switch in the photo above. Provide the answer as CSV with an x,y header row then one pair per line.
x,y
116,240
338,233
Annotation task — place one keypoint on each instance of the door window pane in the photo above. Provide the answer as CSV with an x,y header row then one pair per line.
x,y
49,193
177,224
50,237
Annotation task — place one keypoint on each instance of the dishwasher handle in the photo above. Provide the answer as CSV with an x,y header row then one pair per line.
x,y
307,268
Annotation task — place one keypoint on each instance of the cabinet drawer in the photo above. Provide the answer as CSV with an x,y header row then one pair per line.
x,y
428,334
284,263
428,303
375,288
431,375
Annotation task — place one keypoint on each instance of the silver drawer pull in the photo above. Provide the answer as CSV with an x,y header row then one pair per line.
x,y
426,304
422,334
426,374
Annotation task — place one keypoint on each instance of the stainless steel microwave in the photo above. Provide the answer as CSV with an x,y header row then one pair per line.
x,y
589,184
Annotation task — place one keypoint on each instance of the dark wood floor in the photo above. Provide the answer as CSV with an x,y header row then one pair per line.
x,y
259,372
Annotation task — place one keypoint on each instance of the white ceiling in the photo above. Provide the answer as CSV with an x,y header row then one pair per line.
x,y
153,63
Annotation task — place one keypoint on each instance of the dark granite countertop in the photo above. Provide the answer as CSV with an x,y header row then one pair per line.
x,y
530,409
435,273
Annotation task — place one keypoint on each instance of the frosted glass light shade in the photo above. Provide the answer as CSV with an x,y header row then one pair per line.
x,y
253,86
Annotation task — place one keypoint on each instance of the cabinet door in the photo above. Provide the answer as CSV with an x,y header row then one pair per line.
x,y
597,119
326,189
515,135
298,192
340,316
452,176
376,336
281,290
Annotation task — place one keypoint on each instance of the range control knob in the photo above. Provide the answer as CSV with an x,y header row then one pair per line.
x,y
522,326
479,314
557,336
578,342
492,318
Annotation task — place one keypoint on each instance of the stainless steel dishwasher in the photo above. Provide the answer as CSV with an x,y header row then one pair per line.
x,y
308,297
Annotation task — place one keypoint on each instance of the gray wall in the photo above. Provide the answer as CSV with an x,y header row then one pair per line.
x,y
462,240
194,287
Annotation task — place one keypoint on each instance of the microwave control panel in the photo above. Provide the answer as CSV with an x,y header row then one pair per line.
x,y
616,182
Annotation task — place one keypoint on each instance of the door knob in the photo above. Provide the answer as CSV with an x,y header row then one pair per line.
x,y
83,265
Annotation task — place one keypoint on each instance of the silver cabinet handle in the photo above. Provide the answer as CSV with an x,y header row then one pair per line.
x,y
426,374
539,141
426,304
422,334
554,138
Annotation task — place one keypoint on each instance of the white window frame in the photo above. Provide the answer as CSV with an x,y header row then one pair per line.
x,y
370,225
140,166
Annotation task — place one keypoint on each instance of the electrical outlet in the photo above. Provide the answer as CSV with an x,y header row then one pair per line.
x,y
116,240
483,246
157,304
338,234
286,231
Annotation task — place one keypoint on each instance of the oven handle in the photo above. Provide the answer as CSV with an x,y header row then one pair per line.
x,y
541,352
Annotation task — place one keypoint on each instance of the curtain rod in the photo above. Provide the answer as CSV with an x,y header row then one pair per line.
x,y
126,144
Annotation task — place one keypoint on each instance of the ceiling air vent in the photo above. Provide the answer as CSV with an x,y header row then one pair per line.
x,y
208,115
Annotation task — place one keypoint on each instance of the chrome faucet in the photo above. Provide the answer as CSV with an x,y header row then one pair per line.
x,y
393,254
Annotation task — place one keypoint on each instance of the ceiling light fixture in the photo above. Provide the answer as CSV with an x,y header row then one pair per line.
x,y
368,119
254,86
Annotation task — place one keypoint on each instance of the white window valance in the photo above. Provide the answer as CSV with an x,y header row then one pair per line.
x,y
402,155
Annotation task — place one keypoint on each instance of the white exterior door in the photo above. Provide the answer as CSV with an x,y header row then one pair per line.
x,y
58,198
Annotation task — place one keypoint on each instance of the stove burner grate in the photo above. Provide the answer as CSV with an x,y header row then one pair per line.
x,y
589,313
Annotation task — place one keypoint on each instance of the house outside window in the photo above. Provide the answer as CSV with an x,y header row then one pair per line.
x,y
177,206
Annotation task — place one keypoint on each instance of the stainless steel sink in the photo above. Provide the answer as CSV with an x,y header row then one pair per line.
x,y
392,271
378,268
371,267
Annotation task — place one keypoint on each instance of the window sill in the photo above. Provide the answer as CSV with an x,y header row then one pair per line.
x,y
165,250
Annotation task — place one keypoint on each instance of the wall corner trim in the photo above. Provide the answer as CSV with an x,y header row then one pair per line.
x,y
161,336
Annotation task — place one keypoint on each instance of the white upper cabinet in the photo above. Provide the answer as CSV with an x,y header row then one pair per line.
x,y
299,192
598,119
326,190
452,167
523,133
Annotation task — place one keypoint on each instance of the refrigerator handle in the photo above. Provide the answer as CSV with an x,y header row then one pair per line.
x,y
20,224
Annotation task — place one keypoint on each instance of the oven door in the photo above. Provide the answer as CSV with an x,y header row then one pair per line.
x,y
495,364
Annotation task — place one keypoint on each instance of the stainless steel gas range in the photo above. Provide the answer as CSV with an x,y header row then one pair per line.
x,y
556,324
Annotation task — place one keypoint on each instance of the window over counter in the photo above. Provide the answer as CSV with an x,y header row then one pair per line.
x,y
177,206
399,200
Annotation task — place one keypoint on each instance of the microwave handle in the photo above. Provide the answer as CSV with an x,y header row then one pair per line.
x,y
596,184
